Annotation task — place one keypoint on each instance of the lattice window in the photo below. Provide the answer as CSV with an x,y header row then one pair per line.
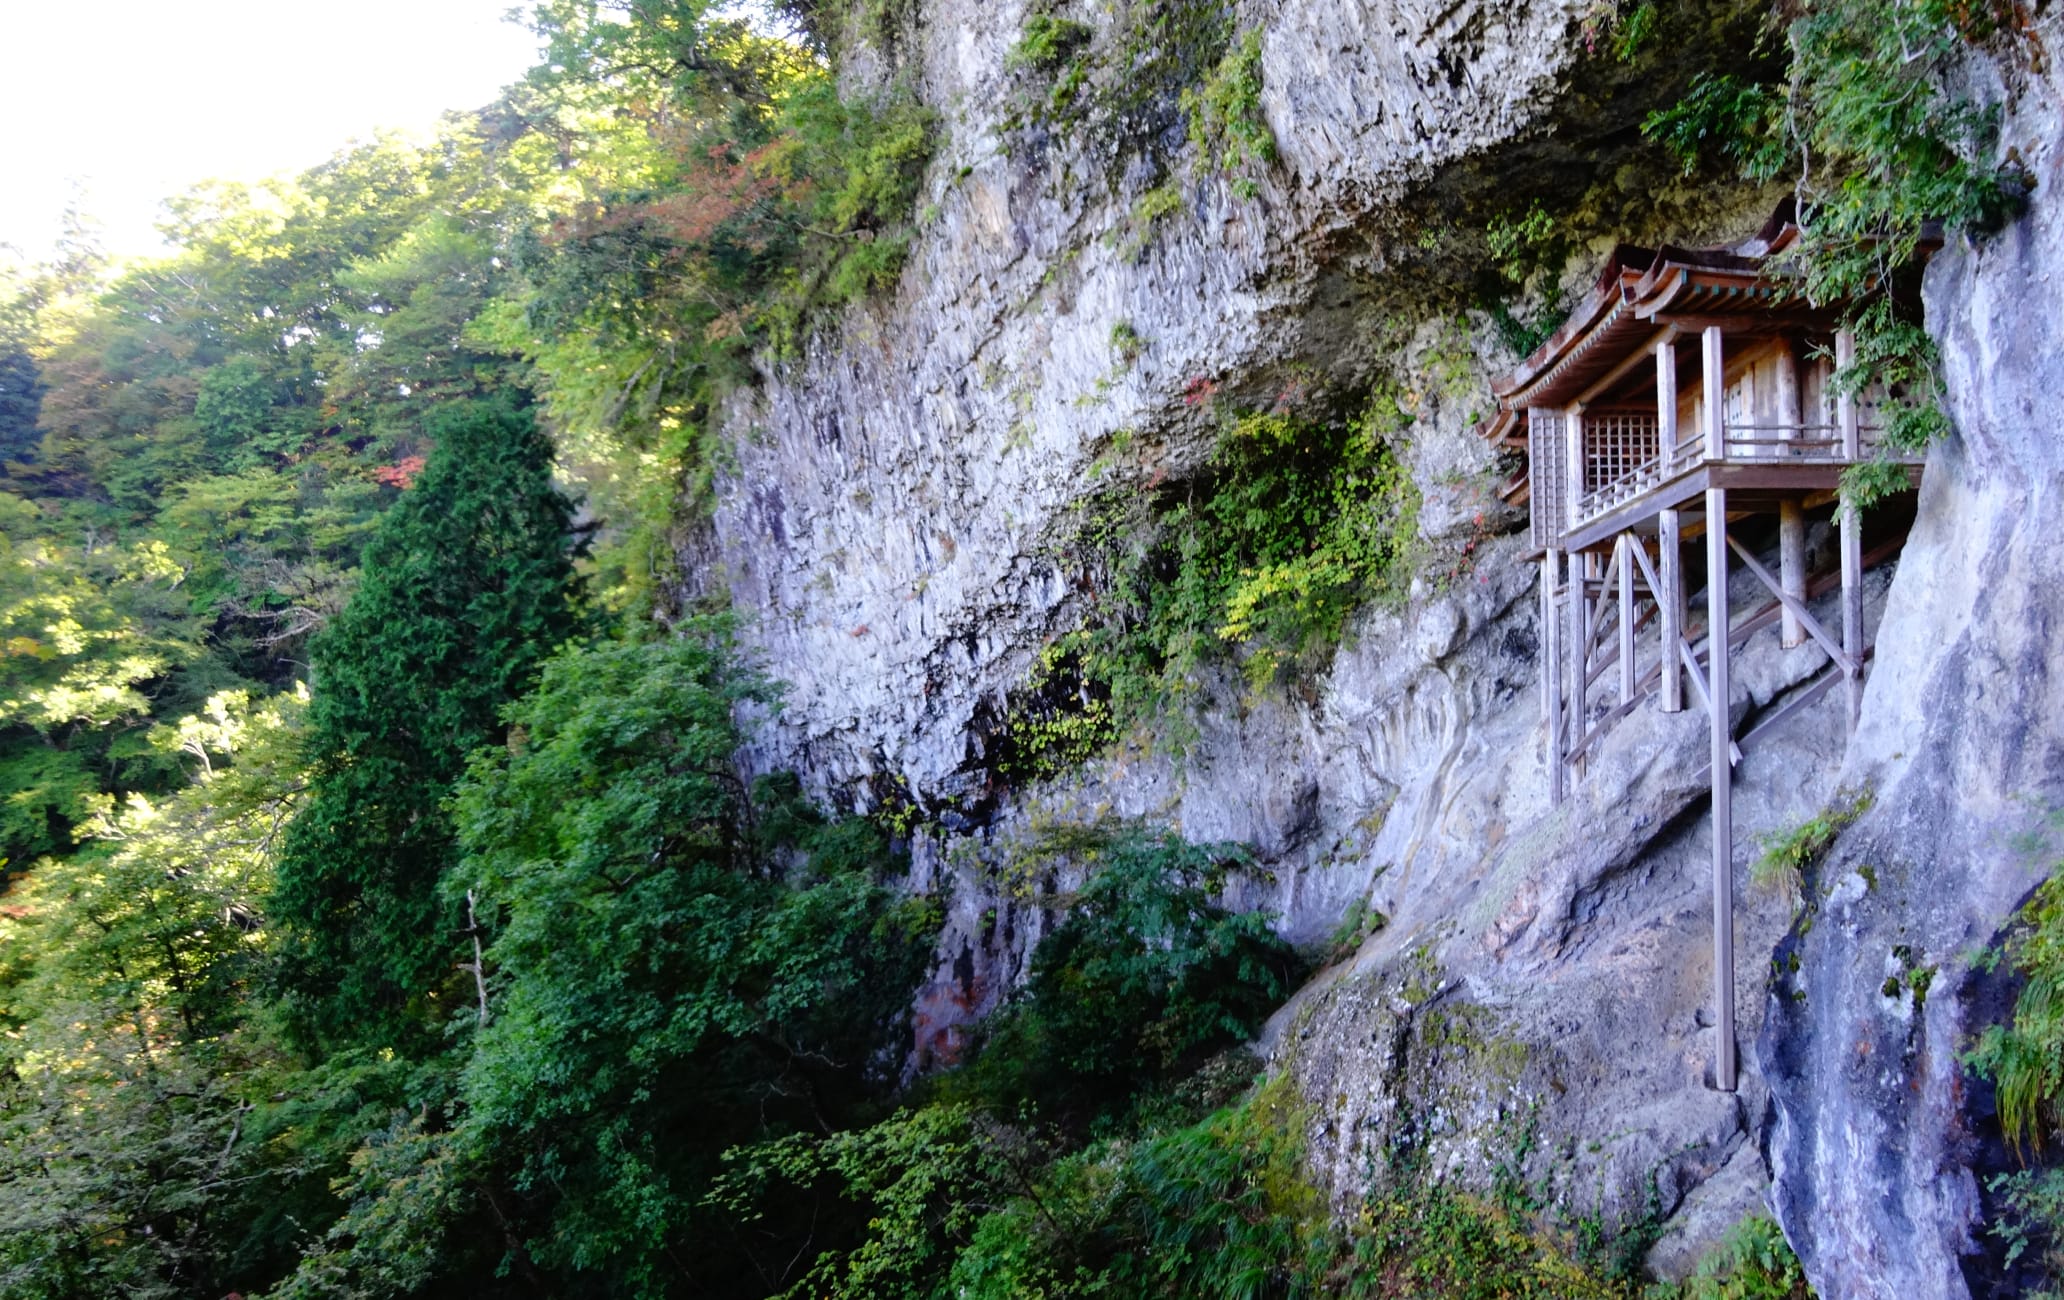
x,y
1546,490
1616,443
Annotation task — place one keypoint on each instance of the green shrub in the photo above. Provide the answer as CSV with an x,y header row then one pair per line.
x,y
1046,42
1058,720
1218,1209
1865,117
1144,979
1753,1262
1297,522
1115,97
1787,854
1225,119
1299,519
1357,925
2025,1058
2031,1218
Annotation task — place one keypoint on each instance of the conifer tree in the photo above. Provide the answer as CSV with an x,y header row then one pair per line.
x,y
468,584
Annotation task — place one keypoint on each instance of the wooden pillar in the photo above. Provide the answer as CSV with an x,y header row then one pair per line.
x,y
1623,565
1579,657
1791,515
1852,606
1723,790
1713,364
1573,461
1852,528
1670,607
1666,402
1791,568
1551,670
1845,400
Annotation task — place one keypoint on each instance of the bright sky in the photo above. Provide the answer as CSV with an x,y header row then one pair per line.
x,y
135,100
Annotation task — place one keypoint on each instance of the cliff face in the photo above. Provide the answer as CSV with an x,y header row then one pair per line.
x,y
898,491
1541,986
1880,1139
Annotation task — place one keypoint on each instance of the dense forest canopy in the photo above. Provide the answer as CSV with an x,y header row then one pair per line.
x,y
384,911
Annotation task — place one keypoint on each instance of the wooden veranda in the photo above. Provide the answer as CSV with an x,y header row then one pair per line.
x,y
1692,391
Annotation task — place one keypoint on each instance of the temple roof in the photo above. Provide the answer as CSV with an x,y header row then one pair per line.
x,y
1641,291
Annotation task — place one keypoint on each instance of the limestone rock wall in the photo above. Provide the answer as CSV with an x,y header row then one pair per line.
x,y
1880,1138
897,492
1543,978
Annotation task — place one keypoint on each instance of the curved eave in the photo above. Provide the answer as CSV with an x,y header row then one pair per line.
x,y
1608,296
1604,346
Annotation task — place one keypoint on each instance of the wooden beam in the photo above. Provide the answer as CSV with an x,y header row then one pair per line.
x,y
1577,649
1693,667
1721,755
1624,557
1807,697
1713,378
1551,671
1748,325
1690,666
1670,597
1633,362
1796,608
1852,605
1791,516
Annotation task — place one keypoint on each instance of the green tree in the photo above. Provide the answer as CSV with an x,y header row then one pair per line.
x,y
21,402
1145,978
468,584
672,966
126,1148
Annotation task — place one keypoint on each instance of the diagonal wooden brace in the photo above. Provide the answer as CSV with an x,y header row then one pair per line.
x,y
1705,697
1797,608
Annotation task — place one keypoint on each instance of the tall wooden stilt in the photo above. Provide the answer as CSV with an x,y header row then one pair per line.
x,y
1669,556
1791,515
1579,659
1717,686
1724,1067
1666,395
1551,670
1670,607
1623,567
1713,364
1791,567
1852,531
1852,606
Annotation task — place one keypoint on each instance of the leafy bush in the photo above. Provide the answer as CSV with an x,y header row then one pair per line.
x,y
2031,1218
1226,122
1865,116
1296,523
1144,979
1047,42
1753,1262
1787,854
880,1211
2025,1058
1220,1208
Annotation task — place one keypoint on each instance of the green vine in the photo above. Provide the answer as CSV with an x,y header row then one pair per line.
x,y
1879,145
1301,517
1226,122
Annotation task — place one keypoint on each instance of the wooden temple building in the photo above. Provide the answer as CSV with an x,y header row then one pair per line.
x,y
1688,404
